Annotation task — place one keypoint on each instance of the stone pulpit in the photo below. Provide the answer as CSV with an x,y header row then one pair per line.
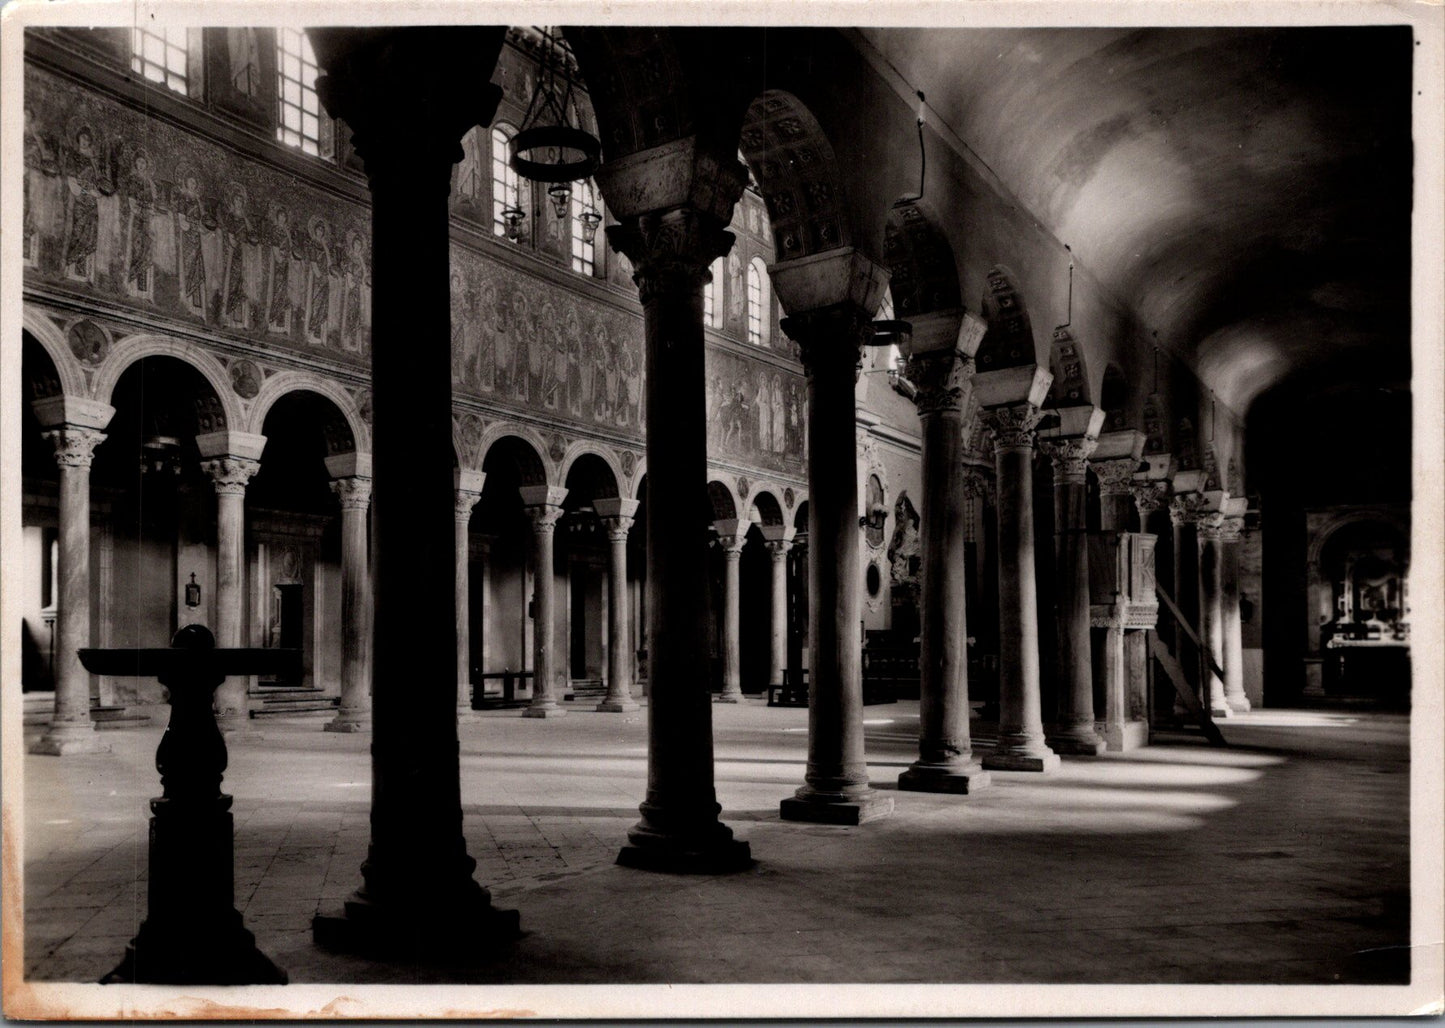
x,y
1123,606
192,934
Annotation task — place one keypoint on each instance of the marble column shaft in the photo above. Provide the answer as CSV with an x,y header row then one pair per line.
x,y
732,536
408,95
835,785
945,754
1211,614
619,646
463,502
671,251
71,729
1233,627
1021,745
354,714
1073,731
231,474
544,517
778,623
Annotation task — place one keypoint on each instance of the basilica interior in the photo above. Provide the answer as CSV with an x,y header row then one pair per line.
x,y
891,449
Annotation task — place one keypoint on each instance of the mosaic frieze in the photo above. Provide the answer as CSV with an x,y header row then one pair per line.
x,y
755,412
139,212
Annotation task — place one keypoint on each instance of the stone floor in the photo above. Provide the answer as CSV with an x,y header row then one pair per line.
x,y
1283,858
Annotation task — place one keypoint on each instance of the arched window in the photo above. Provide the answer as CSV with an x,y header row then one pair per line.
x,y
584,252
162,55
300,122
711,308
506,185
758,300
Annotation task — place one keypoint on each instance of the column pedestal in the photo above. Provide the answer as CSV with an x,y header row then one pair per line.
x,y
671,250
732,536
71,729
617,515
1021,745
945,756
835,786
354,714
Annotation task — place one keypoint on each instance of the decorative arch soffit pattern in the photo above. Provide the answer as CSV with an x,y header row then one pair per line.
x,y
1070,387
924,275
52,340
793,161
279,385
636,82
1009,341
131,349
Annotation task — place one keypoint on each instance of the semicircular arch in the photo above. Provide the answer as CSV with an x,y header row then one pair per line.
x,y
584,448
304,381
52,340
129,350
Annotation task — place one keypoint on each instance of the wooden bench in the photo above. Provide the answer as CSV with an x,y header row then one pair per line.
x,y
787,694
482,700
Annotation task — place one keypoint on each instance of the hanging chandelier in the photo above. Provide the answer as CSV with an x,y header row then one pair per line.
x,y
548,147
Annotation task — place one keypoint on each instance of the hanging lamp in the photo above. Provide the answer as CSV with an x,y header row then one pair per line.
x,y
548,148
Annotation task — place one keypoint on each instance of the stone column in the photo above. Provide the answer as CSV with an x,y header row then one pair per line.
x,y
1021,745
673,203
732,535
1185,509
617,515
1116,477
1211,615
778,539
945,755
354,715
1073,731
408,96
835,786
1148,498
1230,534
544,508
468,492
231,474
71,729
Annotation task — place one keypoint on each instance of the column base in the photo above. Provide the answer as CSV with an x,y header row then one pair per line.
x,y
1022,760
959,779
692,846
729,697
545,710
1221,712
1131,735
349,723
618,706
824,808
429,931
1077,741
69,738
1239,704
221,952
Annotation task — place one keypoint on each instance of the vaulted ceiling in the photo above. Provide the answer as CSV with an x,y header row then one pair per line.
x,y
1245,192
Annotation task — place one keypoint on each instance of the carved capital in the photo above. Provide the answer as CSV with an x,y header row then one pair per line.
x,y
231,474
409,94
1231,530
1149,497
544,517
1210,526
1116,477
74,446
830,338
354,492
671,251
977,483
462,503
1186,508
1070,457
617,527
938,376
1012,425
778,549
